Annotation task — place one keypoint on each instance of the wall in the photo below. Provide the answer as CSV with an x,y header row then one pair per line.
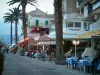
x,y
71,6
72,32
41,20
95,25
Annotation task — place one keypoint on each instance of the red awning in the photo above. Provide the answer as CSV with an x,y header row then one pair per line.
x,y
36,30
28,41
20,44
24,43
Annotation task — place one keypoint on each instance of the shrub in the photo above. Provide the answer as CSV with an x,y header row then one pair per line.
x,y
1,62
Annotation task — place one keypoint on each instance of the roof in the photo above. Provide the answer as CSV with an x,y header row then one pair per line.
x,y
31,41
37,12
44,38
40,13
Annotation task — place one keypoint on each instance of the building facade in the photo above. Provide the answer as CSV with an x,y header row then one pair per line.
x,y
39,23
90,9
73,22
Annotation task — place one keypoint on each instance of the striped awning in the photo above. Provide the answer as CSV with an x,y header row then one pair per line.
x,y
90,33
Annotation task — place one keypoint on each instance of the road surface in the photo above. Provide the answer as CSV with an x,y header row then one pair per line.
x,y
22,65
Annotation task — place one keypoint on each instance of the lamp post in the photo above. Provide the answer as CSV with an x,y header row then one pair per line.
x,y
76,42
63,47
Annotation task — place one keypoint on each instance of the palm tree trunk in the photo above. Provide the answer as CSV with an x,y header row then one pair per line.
x,y
24,24
59,38
24,21
16,33
11,34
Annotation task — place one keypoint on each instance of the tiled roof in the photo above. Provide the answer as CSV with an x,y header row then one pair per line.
x,y
39,13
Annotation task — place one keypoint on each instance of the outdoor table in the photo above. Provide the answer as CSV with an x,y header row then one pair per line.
x,y
71,61
84,63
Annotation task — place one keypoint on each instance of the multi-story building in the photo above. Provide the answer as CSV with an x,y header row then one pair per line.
x,y
91,13
73,22
90,9
73,25
39,22
80,18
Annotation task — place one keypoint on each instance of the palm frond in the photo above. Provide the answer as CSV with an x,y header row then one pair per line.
x,y
19,5
11,10
33,2
7,14
11,2
8,17
6,20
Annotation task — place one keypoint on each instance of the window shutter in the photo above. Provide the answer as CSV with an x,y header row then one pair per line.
x,y
37,22
46,23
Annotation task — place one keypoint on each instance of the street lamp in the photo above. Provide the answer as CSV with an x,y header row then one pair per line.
x,y
63,47
76,42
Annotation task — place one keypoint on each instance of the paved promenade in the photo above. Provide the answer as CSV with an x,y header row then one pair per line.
x,y
22,65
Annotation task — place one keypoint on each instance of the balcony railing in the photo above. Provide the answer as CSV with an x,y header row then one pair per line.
x,y
95,6
81,4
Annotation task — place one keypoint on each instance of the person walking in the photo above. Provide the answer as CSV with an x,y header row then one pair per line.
x,y
7,50
49,54
43,54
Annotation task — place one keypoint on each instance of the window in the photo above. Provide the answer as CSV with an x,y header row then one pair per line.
x,y
70,24
46,23
86,26
80,2
78,24
37,23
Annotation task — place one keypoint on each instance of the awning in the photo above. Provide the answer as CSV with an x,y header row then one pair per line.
x,y
36,30
24,43
90,33
31,41
44,38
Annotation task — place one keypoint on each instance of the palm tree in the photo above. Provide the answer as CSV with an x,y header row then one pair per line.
x,y
17,14
23,3
9,18
59,38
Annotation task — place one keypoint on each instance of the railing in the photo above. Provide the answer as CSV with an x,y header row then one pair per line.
x,y
95,6
82,3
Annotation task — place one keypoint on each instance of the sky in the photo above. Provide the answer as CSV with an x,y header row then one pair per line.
x,y
44,5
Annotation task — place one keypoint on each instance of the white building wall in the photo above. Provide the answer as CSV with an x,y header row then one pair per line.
x,y
72,31
41,20
95,25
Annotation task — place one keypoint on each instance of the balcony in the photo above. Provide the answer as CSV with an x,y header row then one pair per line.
x,y
88,10
71,16
91,10
81,4
95,25
96,7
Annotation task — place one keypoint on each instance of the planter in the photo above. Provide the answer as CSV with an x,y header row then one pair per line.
x,y
1,72
1,63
